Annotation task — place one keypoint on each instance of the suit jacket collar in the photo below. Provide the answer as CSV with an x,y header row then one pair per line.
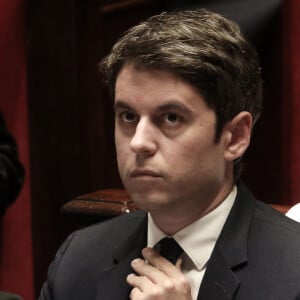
x,y
220,280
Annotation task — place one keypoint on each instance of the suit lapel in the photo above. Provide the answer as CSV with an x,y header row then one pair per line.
x,y
112,281
220,280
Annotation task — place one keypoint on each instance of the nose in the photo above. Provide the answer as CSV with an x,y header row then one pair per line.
x,y
143,141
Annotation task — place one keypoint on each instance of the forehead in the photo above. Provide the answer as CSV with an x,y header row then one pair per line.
x,y
151,87
142,76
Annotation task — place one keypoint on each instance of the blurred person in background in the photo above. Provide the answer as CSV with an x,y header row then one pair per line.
x,y
11,179
11,170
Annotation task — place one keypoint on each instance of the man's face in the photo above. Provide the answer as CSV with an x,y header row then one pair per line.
x,y
165,142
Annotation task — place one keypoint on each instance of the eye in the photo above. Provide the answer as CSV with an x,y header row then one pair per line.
x,y
128,117
171,118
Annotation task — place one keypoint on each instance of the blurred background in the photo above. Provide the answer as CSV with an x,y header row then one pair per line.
x,y
59,111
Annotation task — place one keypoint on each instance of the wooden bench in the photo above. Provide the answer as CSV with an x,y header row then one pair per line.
x,y
104,204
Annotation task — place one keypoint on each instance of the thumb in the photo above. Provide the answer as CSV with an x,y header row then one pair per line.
x,y
178,263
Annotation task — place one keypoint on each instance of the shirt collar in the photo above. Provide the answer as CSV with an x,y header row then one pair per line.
x,y
197,239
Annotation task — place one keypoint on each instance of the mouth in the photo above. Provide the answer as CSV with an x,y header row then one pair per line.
x,y
144,173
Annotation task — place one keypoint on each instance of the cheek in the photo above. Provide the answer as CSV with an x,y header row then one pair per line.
x,y
188,151
121,151
194,159
121,154
120,141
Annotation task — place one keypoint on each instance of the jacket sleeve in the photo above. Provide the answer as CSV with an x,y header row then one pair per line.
x,y
48,289
11,170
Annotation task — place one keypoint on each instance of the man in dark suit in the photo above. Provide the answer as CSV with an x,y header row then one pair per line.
x,y
187,91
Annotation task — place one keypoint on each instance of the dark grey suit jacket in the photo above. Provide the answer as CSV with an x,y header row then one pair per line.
x,y
256,257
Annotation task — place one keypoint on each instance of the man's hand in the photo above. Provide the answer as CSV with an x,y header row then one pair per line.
x,y
157,279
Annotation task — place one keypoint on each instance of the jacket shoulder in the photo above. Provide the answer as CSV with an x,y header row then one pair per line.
x,y
276,221
111,230
88,252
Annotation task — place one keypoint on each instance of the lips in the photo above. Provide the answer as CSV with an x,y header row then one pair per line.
x,y
144,173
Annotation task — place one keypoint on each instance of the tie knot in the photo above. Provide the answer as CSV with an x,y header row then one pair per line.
x,y
170,249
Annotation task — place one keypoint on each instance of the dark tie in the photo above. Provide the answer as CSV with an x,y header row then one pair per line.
x,y
170,249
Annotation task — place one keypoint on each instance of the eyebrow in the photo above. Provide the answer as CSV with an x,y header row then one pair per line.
x,y
171,105
119,104
174,105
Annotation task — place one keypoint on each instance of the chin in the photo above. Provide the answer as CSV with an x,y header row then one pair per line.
x,y
149,200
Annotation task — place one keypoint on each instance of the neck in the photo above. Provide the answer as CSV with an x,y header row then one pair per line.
x,y
170,221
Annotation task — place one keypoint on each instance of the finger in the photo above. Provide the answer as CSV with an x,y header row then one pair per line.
x,y
178,263
135,294
144,269
142,283
160,262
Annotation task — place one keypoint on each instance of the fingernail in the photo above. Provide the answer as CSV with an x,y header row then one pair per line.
x,y
135,261
129,276
147,252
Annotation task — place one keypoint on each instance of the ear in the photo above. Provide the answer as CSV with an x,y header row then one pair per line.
x,y
237,133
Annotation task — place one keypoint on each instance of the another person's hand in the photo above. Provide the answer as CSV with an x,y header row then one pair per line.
x,y
157,278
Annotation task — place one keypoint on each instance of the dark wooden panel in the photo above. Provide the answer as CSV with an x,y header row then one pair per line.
x,y
54,130
71,116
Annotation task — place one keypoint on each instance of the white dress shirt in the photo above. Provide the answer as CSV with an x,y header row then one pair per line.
x,y
197,240
294,212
